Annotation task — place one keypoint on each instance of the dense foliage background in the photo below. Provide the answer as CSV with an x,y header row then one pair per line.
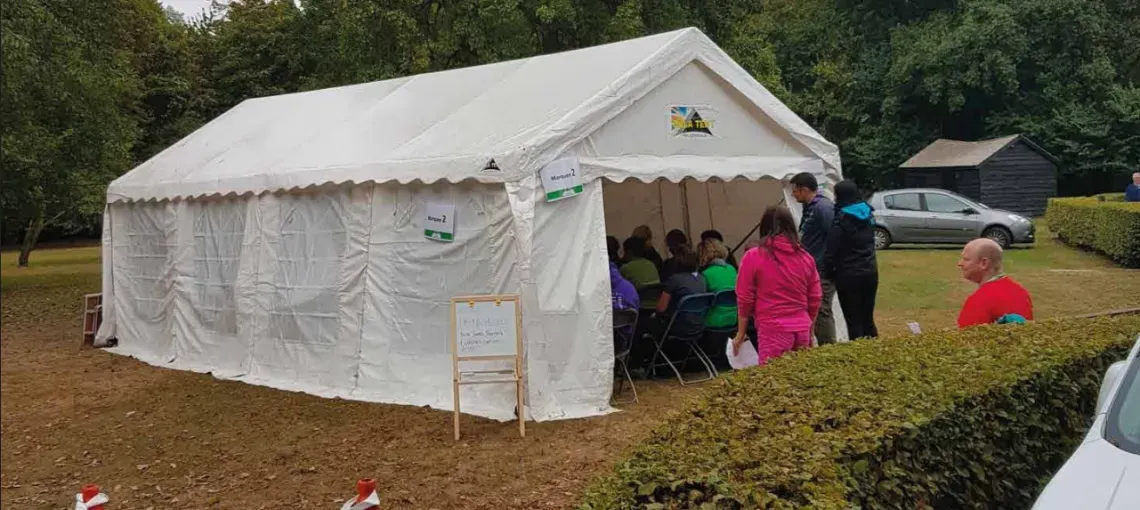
x,y
91,88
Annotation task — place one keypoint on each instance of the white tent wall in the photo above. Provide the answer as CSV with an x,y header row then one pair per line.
x,y
738,128
405,356
572,350
337,293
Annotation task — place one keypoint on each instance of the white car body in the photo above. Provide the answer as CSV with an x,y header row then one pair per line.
x,y
1099,475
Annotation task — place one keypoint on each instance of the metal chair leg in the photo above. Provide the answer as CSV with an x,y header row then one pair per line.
x,y
653,364
707,360
695,351
632,387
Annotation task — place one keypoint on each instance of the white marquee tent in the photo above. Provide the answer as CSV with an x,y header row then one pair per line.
x,y
282,243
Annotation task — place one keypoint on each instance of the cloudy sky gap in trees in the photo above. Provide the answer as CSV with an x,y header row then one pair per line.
x,y
192,8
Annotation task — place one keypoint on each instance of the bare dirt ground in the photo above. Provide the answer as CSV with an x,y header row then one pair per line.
x,y
159,438
155,437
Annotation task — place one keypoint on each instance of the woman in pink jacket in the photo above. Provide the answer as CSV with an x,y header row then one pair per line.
x,y
778,287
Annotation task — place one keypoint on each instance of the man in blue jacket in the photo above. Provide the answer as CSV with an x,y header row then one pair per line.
x,y
818,214
1132,193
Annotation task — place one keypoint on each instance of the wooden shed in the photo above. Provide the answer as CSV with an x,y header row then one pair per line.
x,y
1011,172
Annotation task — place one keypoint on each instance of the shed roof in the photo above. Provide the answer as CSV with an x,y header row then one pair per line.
x,y
955,153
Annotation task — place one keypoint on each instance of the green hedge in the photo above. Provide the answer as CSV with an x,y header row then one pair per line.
x,y
1112,228
1110,197
964,419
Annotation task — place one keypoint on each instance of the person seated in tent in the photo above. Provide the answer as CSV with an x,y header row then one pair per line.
x,y
687,280
719,276
650,253
638,269
613,247
715,234
674,241
999,299
622,293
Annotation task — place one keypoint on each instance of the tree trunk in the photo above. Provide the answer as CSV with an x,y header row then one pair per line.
x,y
31,235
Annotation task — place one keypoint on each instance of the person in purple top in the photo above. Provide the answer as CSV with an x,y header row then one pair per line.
x,y
623,293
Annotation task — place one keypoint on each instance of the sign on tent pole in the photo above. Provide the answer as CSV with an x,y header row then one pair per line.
x,y
562,178
487,328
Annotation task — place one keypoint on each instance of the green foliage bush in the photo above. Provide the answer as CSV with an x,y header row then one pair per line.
x,y
1110,197
1110,227
966,419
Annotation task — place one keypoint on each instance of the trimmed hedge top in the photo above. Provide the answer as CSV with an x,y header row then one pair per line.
x,y
805,430
1110,227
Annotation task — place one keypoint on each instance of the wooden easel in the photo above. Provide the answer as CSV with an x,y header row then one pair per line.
x,y
497,351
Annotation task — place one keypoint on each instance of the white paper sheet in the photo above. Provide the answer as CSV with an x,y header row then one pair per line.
x,y
748,357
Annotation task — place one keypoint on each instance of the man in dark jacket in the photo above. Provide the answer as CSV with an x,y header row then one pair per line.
x,y
818,215
850,260
1132,192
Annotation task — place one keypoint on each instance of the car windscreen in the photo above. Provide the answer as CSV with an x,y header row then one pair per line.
x,y
1123,427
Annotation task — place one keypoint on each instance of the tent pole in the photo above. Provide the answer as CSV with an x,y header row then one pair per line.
x,y
783,200
686,221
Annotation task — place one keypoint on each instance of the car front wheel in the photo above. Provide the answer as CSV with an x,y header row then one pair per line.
x,y
999,235
882,238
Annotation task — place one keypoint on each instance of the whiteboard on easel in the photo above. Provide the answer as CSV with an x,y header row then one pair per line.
x,y
486,327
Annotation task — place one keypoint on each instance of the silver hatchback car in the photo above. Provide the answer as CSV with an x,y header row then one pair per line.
x,y
936,216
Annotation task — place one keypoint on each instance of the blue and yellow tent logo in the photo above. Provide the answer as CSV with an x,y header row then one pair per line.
x,y
687,121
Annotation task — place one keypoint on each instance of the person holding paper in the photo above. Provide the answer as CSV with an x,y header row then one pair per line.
x,y
778,288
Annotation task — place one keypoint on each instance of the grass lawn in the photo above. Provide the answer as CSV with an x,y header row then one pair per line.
x,y
922,283
157,437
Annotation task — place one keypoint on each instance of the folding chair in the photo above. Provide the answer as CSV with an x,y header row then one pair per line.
x,y
625,322
723,298
649,295
687,326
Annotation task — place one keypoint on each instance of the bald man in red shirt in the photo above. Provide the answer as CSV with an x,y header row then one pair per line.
x,y
998,298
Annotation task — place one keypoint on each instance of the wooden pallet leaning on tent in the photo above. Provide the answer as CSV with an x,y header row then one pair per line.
x,y
92,317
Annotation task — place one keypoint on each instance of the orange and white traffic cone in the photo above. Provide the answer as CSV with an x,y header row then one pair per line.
x,y
366,497
89,498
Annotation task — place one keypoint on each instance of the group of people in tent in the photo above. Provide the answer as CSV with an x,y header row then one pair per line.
x,y
788,276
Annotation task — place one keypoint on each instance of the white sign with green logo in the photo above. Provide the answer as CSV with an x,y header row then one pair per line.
x,y
439,222
820,179
562,178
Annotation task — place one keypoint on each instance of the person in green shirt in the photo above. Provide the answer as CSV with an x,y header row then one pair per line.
x,y
640,271
720,276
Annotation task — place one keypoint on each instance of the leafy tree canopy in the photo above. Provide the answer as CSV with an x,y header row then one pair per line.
x,y
92,88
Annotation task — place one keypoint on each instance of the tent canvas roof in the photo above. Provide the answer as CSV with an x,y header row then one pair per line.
x,y
446,125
